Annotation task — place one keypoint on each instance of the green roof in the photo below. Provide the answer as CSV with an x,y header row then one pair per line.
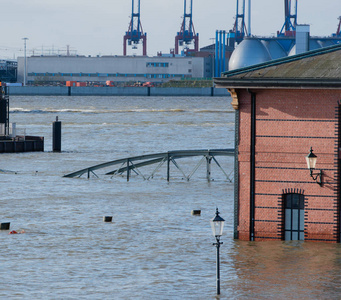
x,y
316,68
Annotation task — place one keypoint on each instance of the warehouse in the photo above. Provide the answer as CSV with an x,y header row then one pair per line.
x,y
59,69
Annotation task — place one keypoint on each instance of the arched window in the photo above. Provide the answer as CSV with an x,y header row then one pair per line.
x,y
293,217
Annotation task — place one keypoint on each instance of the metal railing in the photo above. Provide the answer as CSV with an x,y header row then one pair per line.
x,y
135,163
12,131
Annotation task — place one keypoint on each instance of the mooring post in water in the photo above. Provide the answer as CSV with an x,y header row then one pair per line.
x,y
5,226
57,136
168,166
128,170
208,167
107,218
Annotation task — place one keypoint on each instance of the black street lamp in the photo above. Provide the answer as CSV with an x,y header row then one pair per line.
x,y
217,224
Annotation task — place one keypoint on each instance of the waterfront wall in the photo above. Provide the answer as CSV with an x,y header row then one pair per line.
x,y
22,144
114,91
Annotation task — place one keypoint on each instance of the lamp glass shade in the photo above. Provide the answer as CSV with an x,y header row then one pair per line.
x,y
217,224
311,159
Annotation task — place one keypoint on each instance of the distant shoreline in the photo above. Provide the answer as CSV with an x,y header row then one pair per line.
x,y
115,91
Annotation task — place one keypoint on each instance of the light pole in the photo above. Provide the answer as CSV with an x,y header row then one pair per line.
x,y
25,62
217,224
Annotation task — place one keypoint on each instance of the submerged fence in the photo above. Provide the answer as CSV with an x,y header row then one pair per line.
x,y
135,163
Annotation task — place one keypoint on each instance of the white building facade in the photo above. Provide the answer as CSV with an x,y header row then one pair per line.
x,y
113,68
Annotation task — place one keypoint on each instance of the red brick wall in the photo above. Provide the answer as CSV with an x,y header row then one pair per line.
x,y
288,123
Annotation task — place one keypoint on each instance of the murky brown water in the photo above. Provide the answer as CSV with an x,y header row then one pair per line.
x,y
154,248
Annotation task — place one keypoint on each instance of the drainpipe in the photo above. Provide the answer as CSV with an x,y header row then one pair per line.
x,y
339,169
235,105
252,165
236,176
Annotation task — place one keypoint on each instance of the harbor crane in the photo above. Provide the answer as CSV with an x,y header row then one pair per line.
x,y
239,28
290,19
187,34
135,34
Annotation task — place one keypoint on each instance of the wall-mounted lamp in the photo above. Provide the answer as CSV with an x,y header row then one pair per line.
x,y
311,162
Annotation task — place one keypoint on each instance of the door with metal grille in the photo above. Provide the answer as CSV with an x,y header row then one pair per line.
x,y
293,217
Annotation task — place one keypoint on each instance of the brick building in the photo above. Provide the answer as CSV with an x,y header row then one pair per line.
x,y
283,108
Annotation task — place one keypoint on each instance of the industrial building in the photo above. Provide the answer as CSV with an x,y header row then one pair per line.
x,y
52,69
8,71
254,50
238,48
288,113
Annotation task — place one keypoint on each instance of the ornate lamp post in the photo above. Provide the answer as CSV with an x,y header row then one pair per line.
x,y
217,224
311,159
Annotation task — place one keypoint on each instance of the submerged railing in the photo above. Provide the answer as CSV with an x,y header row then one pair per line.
x,y
135,163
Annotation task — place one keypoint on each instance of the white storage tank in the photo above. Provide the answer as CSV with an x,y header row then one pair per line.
x,y
249,52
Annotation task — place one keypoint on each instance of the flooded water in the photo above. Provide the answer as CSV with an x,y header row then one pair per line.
x,y
154,248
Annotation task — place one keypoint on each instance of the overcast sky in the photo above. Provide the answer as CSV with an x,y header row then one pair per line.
x,y
96,27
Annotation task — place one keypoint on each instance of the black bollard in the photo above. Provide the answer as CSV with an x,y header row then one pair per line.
x,y
196,212
107,218
57,136
4,226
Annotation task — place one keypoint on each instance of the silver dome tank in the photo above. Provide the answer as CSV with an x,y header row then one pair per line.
x,y
326,43
249,52
275,49
313,44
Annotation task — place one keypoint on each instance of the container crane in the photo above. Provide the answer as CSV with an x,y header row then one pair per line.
x,y
135,32
187,34
239,28
290,21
